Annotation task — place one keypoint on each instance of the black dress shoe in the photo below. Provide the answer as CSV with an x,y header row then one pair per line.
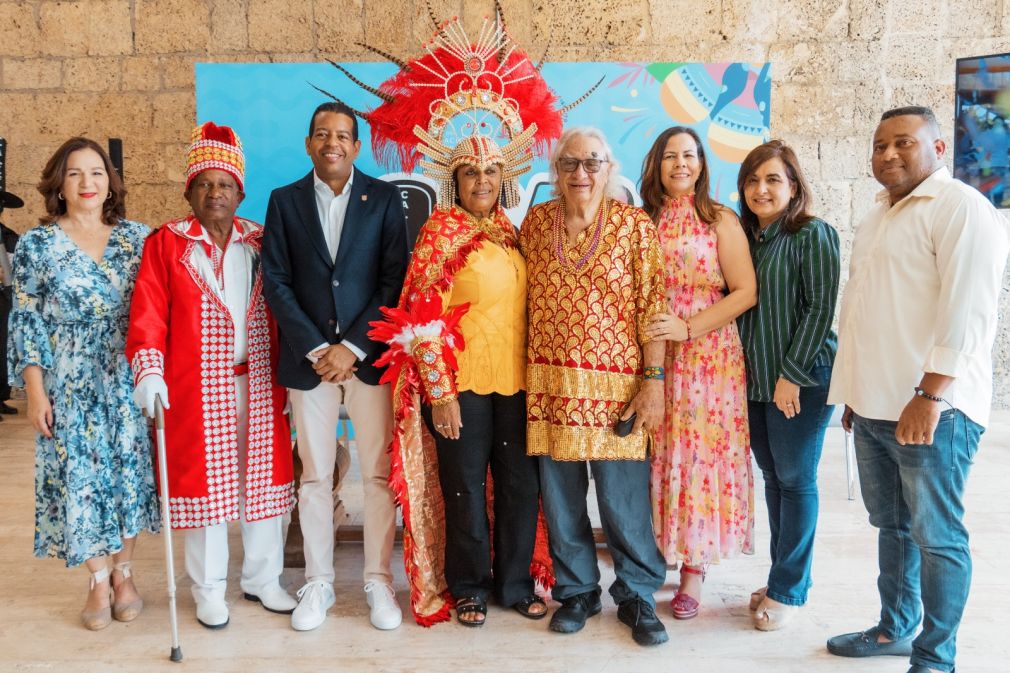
x,y
865,644
574,612
7,409
646,629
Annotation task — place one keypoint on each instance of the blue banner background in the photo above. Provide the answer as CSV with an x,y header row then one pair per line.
x,y
269,107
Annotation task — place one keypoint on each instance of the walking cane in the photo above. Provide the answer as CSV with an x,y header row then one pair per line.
x,y
166,524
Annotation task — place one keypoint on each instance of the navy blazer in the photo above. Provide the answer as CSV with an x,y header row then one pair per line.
x,y
310,295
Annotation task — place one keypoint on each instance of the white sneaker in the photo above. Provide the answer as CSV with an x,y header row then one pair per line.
x,y
314,599
212,613
274,599
385,614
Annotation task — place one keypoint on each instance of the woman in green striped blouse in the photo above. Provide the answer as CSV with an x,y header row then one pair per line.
x,y
789,350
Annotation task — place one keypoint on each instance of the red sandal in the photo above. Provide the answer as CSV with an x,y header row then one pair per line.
x,y
685,606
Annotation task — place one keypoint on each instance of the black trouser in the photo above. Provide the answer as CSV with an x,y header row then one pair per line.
x,y
493,432
6,302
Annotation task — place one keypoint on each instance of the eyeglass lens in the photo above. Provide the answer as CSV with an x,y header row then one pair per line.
x,y
570,164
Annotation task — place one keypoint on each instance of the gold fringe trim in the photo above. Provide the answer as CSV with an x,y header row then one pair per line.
x,y
585,384
574,443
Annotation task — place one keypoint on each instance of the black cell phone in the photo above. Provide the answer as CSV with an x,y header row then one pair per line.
x,y
623,428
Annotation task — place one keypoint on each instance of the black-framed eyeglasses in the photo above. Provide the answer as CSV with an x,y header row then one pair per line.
x,y
570,165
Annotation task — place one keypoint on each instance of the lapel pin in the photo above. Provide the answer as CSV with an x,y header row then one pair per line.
x,y
364,197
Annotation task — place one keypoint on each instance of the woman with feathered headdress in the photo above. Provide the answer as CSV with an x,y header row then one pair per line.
x,y
470,114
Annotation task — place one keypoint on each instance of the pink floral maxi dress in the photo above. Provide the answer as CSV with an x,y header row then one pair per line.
x,y
702,484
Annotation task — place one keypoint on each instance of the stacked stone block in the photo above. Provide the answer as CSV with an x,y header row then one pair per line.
x,y
125,68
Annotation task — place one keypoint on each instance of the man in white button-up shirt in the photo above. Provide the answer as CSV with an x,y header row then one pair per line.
x,y
914,369
335,250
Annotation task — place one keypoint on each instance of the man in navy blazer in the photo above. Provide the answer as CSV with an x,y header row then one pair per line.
x,y
335,249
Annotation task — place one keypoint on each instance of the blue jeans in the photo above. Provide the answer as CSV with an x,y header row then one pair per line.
x,y
788,451
914,496
622,492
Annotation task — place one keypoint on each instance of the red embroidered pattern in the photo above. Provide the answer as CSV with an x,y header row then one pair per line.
x,y
263,498
437,379
219,406
217,390
147,361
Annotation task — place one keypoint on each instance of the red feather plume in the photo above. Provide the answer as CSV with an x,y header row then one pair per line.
x,y
398,328
392,123
222,134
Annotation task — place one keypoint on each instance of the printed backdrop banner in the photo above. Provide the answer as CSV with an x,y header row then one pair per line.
x,y
269,106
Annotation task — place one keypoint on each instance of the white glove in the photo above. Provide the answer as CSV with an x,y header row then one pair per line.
x,y
146,390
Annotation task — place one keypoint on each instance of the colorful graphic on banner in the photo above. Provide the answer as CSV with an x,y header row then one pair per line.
x,y
981,133
269,105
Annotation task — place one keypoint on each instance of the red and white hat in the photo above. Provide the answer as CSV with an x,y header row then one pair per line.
x,y
217,147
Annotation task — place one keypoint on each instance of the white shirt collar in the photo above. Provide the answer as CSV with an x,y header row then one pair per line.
x,y
928,188
319,185
190,227
237,236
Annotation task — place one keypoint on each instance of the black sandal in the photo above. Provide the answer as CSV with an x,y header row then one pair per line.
x,y
471,605
523,607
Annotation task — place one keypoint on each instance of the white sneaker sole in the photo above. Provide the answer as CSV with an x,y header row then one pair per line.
x,y
313,625
386,625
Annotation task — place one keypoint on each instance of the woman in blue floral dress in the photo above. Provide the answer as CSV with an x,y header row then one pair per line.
x,y
73,279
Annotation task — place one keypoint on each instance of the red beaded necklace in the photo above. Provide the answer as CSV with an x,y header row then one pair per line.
x,y
561,236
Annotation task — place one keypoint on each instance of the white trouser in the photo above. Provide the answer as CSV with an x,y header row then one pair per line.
x,y
262,541
316,414
207,557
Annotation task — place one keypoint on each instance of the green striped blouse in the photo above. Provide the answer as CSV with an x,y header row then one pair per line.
x,y
788,332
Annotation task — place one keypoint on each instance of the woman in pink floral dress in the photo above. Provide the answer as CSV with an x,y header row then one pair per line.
x,y
702,485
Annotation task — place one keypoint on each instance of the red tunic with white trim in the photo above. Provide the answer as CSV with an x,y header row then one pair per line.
x,y
182,329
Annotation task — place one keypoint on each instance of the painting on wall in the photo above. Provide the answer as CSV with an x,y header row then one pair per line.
x,y
981,136
269,105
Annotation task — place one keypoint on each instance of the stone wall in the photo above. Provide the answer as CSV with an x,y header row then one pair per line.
x,y
125,68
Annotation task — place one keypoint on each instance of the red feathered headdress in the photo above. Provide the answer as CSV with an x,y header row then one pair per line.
x,y
470,81
465,102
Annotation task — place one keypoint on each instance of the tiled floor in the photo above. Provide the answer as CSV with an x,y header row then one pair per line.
x,y
40,630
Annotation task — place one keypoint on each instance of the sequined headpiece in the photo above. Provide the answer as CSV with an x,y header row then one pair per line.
x,y
464,102
217,147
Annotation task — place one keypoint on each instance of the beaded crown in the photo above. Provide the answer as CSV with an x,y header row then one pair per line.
x,y
464,102
213,146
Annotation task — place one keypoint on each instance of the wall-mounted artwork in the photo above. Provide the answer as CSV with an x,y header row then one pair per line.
x,y
981,136
269,106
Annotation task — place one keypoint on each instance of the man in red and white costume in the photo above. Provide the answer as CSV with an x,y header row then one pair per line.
x,y
200,328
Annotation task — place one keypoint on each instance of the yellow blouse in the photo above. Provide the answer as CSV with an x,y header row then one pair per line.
x,y
493,281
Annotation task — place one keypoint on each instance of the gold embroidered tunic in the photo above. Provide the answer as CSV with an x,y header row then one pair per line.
x,y
587,319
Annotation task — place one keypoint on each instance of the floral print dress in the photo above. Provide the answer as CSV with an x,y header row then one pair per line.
x,y
702,484
94,483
